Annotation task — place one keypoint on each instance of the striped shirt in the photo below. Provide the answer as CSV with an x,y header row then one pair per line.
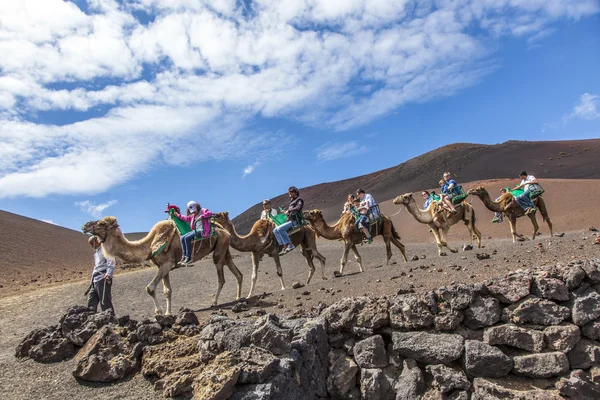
x,y
102,266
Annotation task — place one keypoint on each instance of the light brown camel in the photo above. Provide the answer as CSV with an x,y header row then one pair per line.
x,y
261,241
115,244
440,224
346,230
512,210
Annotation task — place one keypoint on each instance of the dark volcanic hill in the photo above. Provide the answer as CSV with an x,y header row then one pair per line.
x,y
576,159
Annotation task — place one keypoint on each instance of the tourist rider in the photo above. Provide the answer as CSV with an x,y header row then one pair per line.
x,y
429,198
370,201
362,223
294,215
348,204
450,189
267,210
198,218
528,184
445,198
100,286
499,217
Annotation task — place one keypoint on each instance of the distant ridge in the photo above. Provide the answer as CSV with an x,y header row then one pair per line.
x,y
572,159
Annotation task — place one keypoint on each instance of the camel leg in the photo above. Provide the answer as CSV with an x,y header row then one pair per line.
x,y
167,292
236,272
512,222
438,240
344,259
322,259
477,234
255,262
309,261
357,257
151,288
400,246
443,233
388,250
536,227
549,225
221,281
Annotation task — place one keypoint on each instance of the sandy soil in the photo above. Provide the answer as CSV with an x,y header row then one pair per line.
x,y
194,287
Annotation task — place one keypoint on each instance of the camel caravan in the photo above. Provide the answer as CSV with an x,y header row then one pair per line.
x,y
182,240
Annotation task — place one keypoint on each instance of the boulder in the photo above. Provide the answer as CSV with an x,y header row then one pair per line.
x,y
217,380
149,333
374,385
592,270
562,337
543,365
483,360
549,288
370,353
311,348
591,330
457,296
509,289
106,357
585,305
448,379
45,345
512,335
256,365
410,311
533,310
428,347
165,321
482,312
578,386
410,383
447,320
186,317
572,275
223,334
80,323
585,354
168,358
270,335
342,374
491,389
361,312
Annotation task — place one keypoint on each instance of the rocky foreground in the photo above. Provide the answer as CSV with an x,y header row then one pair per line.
x,y
533,334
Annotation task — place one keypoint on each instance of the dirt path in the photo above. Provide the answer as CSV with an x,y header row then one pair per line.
x,y
194,288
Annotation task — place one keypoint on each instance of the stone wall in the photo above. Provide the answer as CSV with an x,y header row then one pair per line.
x,y
533,334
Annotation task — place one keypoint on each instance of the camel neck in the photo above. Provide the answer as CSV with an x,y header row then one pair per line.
x,y
423,216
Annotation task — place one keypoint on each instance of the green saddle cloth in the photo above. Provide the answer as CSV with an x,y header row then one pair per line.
x,y
532,194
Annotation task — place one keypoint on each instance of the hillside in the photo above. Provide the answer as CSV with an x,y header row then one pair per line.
x,y
577,159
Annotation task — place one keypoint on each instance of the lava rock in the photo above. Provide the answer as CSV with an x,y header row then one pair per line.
x,y
562,337
428,347
410,383
509,289
410,311
370,353
543,365
585,305
448,379
512,335
482,312
536,311
45,345
483,360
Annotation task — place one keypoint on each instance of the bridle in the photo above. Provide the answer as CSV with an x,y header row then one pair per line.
x,y
106,231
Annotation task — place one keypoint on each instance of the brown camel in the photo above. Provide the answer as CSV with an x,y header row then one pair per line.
x,y
346,230
165,234
261,241
440,223
512,210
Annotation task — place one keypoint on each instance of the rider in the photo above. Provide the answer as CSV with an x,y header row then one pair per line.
x,y
446,196
528,184
366,197
348,204
198,219
362,223
499,217
294,214
267,210
429,198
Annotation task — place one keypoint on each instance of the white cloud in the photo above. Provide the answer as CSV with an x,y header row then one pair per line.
x,y
201,70
95,210
250,169
333,151
49,221
587,108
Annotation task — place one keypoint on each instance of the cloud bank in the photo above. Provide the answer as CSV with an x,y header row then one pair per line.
x,y
111,89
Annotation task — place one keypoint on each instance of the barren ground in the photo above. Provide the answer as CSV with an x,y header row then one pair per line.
x,y
194,287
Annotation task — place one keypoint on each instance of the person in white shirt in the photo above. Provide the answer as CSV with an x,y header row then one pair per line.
x,y
528,184
102,275
369,200
267,210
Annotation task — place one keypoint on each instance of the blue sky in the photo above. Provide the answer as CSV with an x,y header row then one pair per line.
x,y
116,108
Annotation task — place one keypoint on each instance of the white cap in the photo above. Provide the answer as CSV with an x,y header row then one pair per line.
x,y
192,204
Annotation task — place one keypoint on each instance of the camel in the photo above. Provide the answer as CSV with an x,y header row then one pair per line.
x,y
261,241
512,210
346,230
440,224
165,234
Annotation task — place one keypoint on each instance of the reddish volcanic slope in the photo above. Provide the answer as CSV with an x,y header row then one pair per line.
x,y
577,159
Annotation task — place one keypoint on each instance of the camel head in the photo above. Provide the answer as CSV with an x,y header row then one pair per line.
x,y
313,215
478,191
221,217
404,199
100,228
